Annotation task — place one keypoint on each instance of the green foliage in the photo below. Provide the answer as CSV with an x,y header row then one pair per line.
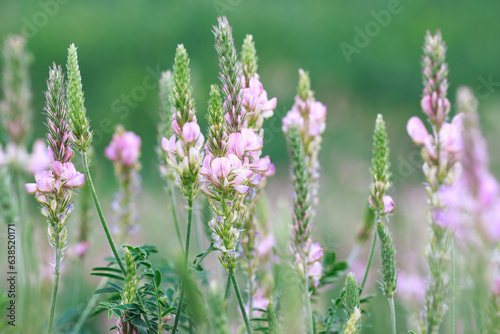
x,y
217,134
304,87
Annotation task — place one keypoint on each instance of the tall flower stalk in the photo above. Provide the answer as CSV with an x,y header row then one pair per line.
x,y
303,126
54,188
82,137
183,149
257,108
440,151
380,203
124,150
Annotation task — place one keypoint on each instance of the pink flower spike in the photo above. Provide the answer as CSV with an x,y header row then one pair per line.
x,y
416,130
190,131
426,104
388,204
30,188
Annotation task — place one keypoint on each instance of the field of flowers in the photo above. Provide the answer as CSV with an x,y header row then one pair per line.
x,y
224,248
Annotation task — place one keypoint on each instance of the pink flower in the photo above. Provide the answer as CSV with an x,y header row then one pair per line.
x,y
44,181
417,131
39,158
411,288
255,98
236,144
388,204
220,167
252,141
124,147
317,116
30,188
315,253
426,104
81,248
261,165
450,138
265,245
293,117
168,145
315,271
73,178
190,131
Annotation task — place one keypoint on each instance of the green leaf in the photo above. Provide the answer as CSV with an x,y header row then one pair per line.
x,y
108,275
157,278
111,269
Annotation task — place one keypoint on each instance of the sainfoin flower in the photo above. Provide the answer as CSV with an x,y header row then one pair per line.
x,y
125,147
57,179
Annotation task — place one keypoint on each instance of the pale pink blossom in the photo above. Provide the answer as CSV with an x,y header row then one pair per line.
x,y
450,138
190,131
417,131
72,177
315,271
426,104
317,116
411,288
292,118
169,145
125,148
315,252
265,245
388,204
44,181
255,98
39,158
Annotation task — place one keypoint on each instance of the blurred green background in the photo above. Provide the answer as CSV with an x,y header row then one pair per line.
x,y
124,45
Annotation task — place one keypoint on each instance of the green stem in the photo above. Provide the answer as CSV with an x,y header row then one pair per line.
x,y
57,273
370,259
171,194
393,314
228,289
99,211
186,259
240,300
250,294
307,299
452,288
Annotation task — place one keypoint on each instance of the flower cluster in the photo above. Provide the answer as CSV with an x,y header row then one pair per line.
x,y
309,117
54,187
314,266
124,150
440,151
184,146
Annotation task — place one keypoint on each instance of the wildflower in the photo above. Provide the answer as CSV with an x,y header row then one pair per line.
x,y
309,117
124,147
440,152
54,188
124,151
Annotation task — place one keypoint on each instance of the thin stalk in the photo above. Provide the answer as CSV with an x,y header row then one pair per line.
x,y
452,288
370,259
227,294
372,251
393,314
250,295
186,259
307,298
171,194
99,211
57,273
240,300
